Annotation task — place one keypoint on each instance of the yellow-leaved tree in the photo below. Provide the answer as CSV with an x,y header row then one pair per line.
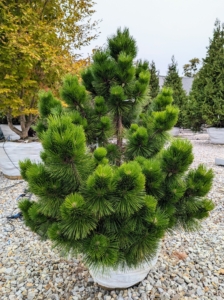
x,y
38,40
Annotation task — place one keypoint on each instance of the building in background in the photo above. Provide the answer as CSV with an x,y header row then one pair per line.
x,y
186,81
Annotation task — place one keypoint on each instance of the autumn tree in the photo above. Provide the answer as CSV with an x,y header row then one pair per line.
x,y
38,40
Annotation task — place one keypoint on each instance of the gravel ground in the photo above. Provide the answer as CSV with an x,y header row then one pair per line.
x,y
190,266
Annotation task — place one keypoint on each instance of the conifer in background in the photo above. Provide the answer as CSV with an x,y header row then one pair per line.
x,y
154,81
114,214
206,100
173,80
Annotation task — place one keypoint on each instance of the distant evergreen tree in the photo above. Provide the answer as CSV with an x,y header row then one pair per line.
x,y
174,81
154,81
206,103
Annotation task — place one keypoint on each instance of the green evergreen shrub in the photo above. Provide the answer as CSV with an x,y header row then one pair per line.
x,y
115,202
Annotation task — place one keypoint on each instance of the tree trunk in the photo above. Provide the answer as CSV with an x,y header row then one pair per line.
x,y
119,130
25,125
14,129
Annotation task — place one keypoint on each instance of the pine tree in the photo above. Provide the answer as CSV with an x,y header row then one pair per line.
x,y
154,80
173,80
115,214
116,78
207,96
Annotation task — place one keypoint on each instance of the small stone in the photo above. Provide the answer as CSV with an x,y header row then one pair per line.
x,y
30,296
151,280
55,297
186,279
215,280
9,271
20,279
180,280
180,288
148,287
29,284
165,296
143,296
39,287
199,291
2,270
76,288
158,283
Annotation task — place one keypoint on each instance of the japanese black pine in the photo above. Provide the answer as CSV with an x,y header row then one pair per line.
x,y
113,204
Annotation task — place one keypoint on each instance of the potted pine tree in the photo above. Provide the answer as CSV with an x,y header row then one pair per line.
x,y
205,105
96,195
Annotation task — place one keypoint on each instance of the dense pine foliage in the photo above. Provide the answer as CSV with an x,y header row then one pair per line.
x,y
113,202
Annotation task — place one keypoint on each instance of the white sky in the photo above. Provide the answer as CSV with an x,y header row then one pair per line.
x,y
162,28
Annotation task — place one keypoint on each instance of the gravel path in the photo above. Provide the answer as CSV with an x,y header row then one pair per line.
x,y
190,266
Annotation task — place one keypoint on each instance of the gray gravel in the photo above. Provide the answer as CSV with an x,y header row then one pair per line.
x,y
190,265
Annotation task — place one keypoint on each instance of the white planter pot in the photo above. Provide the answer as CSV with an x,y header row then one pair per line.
x,y
219,161
216,135
175,131
122,278
9,134
11,153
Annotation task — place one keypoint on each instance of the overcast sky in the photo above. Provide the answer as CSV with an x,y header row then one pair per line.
x,y
162,28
